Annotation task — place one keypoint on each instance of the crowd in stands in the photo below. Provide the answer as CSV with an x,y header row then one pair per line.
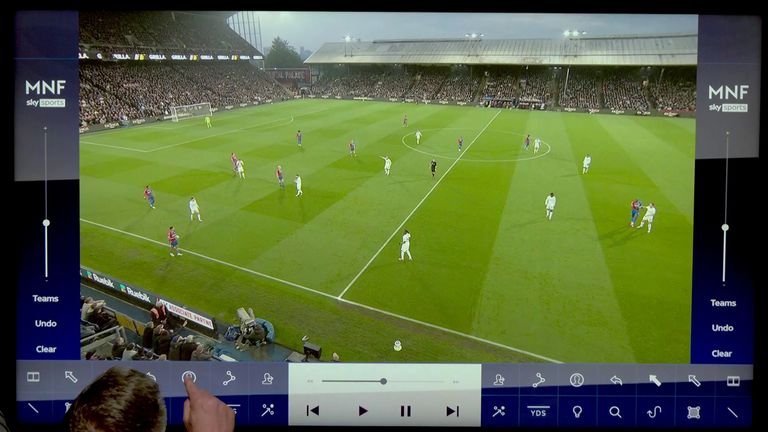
x,y
458,88
160,30
95,317
536,86
581,91
392,85
426,85
502,86
675,90
114,91
159,341
624,93
120,91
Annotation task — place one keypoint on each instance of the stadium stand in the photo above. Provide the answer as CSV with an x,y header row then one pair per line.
x,y
675,90
580,90
115,91
159,30
624,91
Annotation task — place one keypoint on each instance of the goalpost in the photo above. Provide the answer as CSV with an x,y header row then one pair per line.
x,y
184,112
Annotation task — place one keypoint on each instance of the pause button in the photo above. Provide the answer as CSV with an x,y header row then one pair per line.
x,y
405,410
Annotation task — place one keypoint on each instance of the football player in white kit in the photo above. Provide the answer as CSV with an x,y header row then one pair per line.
x,y
650,212
405,246
549,203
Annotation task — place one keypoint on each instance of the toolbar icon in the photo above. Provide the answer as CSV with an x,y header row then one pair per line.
x,y
70,376
499,411
576,380
616,380
154,378
234,407
614,411
692,379
267,379
577,411
652,414
190,374
231,378
653,379
499,380
541,380
694,412
268,409
730,381
33,376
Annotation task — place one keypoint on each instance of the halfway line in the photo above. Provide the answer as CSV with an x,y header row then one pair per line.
x,y
417,207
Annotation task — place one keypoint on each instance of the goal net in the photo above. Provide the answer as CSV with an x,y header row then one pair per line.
x,y
184,112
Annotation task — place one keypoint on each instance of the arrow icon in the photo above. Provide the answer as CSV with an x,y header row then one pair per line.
x,y
449,411
361,410
616,380
653,379
70,376
692,379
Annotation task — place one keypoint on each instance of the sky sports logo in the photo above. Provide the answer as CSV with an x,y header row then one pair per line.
x,y
43,88
737,92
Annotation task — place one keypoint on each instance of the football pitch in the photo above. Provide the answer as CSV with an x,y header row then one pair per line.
x,y
492,280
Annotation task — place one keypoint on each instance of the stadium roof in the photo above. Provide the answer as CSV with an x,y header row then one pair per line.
x,y
658,50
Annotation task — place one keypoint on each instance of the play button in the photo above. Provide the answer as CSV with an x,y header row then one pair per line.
x,y
449,411
361,410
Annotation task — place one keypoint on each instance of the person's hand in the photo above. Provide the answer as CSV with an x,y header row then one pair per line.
x,y
204,412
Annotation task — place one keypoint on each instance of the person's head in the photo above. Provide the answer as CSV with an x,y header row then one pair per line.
x,y
192,199
170,228
551,194
119,341
279,167
147,186
406,232
118,400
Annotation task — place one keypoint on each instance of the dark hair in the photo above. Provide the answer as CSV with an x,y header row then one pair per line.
x,y
118,400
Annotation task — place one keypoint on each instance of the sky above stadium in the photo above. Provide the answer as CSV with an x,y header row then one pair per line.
x,y
311,29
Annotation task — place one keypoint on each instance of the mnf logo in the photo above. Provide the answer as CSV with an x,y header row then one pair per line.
x,y
43,88
725,93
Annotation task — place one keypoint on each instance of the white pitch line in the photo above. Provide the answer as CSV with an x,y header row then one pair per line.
x,y
416,208
360,305
192,140
202,138
447,330
112,146
247,270
219,134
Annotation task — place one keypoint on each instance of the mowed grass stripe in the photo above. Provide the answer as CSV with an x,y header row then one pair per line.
x,y
449,259
654,299
545,288
357,334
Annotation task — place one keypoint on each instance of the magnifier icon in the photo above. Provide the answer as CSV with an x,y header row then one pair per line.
x,y
615,412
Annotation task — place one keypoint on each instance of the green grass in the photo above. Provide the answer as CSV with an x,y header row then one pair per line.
x,y
583,287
